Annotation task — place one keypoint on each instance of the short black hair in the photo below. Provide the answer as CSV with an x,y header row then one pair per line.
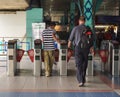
x,y
82,18
52,24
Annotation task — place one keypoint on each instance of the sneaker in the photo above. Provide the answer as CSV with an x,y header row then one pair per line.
x,y
47,75
81,84
55,63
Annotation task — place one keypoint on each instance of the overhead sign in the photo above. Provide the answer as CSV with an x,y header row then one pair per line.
x,y
107,20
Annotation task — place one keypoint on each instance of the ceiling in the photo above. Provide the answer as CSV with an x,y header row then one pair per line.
x,y
110,4
107,6
13,4
55,5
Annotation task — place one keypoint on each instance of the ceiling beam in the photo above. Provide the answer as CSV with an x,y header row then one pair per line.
x,y
13,4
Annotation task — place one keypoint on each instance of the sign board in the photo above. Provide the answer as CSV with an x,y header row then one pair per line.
x,y
37,29
107,20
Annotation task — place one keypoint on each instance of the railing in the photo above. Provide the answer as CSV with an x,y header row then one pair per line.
x,y
23,43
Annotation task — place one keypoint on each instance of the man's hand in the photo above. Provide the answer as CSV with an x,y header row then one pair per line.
x,y
92,50
69,44
55,38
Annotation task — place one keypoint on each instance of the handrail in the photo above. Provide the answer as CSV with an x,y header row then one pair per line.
x,y
23,44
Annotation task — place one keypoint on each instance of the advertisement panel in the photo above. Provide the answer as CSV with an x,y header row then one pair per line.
x,y
37,29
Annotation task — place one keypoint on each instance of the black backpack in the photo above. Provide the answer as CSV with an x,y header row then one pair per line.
x,y
86,38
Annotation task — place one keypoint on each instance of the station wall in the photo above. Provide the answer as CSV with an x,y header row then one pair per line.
x,y
13,25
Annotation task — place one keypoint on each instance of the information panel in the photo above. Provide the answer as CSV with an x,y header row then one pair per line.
x,y
37,29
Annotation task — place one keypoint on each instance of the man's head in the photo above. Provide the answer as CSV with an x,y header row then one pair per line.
x,y
81,20
52,25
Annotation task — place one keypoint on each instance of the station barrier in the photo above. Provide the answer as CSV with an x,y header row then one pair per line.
x,y
62,56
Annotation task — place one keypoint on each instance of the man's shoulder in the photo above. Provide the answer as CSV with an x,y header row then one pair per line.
x,y
80,27
48,30
45,30
76,27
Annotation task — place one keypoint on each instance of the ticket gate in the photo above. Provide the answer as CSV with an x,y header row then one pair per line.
x,y
63,58
90,69
12,63
37,58
115,60
112,65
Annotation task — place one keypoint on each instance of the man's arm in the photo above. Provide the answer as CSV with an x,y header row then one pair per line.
x,y
92,44
69,44
55,38
71,38
42,39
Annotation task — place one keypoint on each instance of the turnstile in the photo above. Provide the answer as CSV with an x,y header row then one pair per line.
x,y
63,59
90,70
12,64
112,65
37,58
115,60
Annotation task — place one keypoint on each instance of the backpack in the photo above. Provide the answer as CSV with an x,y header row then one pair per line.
x,y
86,38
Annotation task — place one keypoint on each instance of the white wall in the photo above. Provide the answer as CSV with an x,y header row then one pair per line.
x,y
13,25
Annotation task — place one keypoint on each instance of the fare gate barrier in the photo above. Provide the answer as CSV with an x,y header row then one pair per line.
x,y
104,53
12,63
115,60
15,55
63,58
19,55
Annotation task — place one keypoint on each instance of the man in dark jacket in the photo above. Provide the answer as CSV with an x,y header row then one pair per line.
x,y
81,53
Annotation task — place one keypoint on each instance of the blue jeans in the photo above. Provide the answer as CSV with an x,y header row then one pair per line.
x,y
81,60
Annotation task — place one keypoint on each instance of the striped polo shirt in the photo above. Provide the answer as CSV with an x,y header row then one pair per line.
x,y
48,41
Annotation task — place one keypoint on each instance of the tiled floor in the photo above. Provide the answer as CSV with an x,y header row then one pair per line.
x,y
57,86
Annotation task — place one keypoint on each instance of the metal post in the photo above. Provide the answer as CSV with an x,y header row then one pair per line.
x,y
78,2
119,7
72,15
98,3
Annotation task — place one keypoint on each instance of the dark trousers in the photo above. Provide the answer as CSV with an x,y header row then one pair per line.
x,y
81,60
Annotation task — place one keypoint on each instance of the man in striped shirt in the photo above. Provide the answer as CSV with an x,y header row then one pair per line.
x,y
49,38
